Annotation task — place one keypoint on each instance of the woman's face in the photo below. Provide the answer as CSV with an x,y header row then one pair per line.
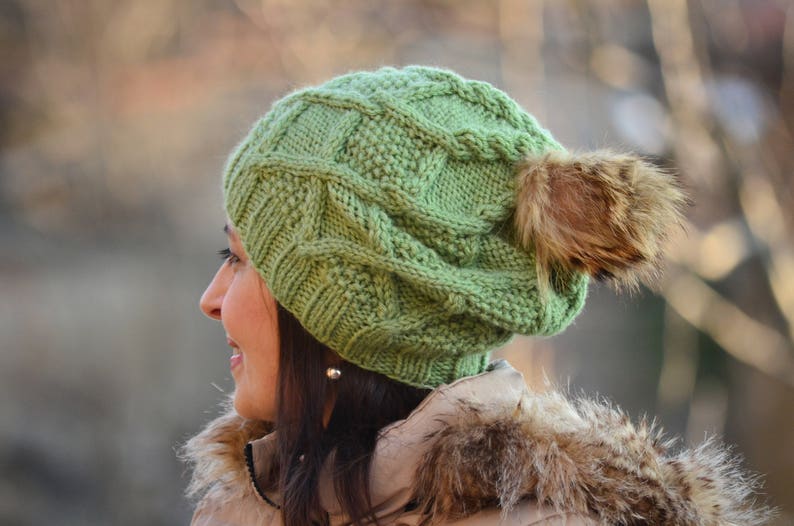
x,y
239,298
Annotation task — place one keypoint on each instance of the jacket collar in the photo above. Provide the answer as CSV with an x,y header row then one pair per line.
x,y
485,440
402,445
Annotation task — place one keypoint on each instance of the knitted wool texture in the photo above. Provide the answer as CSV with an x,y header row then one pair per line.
x,y
377,209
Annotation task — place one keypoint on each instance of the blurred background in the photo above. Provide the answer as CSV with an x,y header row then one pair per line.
x,y
115,121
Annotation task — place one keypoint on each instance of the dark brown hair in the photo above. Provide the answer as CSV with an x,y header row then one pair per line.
x,y
363,403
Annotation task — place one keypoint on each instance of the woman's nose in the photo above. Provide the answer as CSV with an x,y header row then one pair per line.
x,y
212,299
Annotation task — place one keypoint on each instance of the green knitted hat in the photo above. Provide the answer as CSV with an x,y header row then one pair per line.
x,y
380,210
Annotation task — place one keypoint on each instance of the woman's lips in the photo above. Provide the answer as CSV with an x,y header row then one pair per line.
x,y
237,357
235,361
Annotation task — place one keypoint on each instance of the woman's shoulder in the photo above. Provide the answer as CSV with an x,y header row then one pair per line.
x,y
526,513
579,457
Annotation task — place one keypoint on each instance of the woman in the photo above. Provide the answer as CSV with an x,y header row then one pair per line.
x,y
387,230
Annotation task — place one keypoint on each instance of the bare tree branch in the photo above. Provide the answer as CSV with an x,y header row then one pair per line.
x,y
744,338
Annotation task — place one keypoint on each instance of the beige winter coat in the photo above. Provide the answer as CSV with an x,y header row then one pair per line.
x,y
484,451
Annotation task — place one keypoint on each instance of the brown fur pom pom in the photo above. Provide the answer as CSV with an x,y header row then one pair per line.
x,y
601,213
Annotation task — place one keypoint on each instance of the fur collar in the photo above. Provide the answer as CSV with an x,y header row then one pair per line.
x,y
585,457
486,441
217,456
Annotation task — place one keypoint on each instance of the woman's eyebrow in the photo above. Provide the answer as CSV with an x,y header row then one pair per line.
x,y
229,230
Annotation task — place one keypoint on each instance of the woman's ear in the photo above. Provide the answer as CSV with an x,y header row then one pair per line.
x,y
601,213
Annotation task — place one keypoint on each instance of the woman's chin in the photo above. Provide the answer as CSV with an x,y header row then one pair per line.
x,y
244,408
240,406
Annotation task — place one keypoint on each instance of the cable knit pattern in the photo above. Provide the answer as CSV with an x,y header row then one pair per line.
x,y
377,207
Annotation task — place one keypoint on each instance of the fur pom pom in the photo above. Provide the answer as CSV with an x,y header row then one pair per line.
x,y
601,213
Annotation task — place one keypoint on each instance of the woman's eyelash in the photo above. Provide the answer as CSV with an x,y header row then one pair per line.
x,y
227,255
